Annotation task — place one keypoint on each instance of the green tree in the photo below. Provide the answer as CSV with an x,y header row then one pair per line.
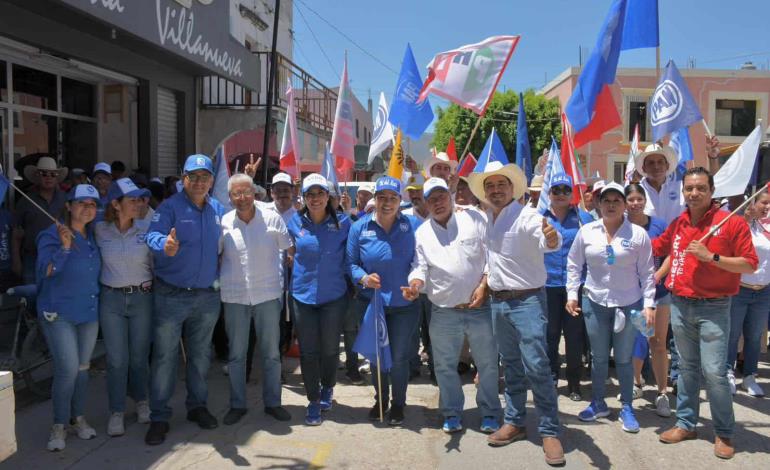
x,y
543,122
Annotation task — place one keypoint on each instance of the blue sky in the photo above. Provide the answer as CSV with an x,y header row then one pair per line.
x,y
551,30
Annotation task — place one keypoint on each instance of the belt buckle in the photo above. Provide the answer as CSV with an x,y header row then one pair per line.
x,y
128,290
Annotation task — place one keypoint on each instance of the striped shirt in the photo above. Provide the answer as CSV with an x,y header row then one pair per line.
x,y
126,258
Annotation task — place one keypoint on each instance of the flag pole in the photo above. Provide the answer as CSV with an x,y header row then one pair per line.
x,y
377,349
33,202
473,133
738,209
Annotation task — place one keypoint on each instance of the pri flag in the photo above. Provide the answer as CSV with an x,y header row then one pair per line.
x,y
343,134
632,153
289,158
407,113
469,75
523,153
467,165
672,106
493,151
382,136
451,149
372,341
735,175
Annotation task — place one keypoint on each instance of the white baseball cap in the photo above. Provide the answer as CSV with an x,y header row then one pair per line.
x,y
282,178
433,184
312,180
103,167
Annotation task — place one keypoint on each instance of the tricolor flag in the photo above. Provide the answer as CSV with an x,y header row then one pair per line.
x,y
632,153
467,165
289,159
382,136
451,149
343,134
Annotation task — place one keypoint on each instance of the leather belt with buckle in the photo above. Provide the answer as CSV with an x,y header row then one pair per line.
x,y
503,295
144,288
753,286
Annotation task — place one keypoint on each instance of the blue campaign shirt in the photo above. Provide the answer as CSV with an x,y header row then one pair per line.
x,y
196,264
655,228
556,261
103,202
72,288
372,250
318,275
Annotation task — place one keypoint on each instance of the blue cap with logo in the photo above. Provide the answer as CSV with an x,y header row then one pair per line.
x,y
561,179
432,185
82,192
314,180
125,187
387,183
198,162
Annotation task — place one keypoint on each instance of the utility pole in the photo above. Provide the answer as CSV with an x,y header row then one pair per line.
x,y
270,92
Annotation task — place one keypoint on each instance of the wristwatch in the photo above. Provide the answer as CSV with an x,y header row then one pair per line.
x,y
716,257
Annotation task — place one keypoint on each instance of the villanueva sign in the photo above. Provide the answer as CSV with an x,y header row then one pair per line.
x,y
198,30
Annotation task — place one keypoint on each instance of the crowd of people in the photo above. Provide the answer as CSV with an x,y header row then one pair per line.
x,y
469,267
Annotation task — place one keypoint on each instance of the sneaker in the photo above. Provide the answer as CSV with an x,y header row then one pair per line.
x,y
628,419
313,414
396,415
234,415
489,424
156,433
56,441
115,426
731,380
597,409
327,394
374,412
354,376
636,393
202,417
84,430
662,406
142,412
452,424
751,386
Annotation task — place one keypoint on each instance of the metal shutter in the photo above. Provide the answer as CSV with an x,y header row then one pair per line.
x,y
168,152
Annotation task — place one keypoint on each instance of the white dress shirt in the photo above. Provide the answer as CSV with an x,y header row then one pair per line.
x,y
624,282
760,277
450,261
516,246
286,216
666,204
250,258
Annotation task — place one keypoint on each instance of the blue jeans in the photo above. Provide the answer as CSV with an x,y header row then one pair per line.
x,y
266,317
401,321
424,307
126,321
176,310
520,329
701,331
318,330
71,347
448,328
354,315
599,325
748,312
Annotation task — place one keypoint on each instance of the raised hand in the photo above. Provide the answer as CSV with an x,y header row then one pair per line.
x,y
251,167
172,244
550,233
65,235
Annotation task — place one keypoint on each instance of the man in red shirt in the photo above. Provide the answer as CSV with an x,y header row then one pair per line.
x,y
704,275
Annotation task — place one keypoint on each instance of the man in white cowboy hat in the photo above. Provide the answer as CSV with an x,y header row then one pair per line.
x,y
413,194
441,166
517,239
664,194
29,221
534,189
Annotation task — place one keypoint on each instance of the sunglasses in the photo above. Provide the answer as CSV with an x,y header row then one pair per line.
x,y
48,174
561,191
610,252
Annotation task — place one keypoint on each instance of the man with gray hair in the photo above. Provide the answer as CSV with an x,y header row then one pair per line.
x,y
252,237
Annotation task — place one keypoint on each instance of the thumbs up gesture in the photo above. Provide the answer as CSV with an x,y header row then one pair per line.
x,y
172,244
551,236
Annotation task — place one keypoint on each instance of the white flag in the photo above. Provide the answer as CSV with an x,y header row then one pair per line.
x,y
382,136
733,178
632,155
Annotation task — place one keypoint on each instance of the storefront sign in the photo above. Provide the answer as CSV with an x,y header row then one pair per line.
x,y
198,30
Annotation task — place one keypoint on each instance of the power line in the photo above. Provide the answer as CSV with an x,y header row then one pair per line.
x,y
740,56
375,58
318,42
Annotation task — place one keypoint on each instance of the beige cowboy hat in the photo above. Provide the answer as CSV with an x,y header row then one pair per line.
x,y
537,184
510,171
44,164
656,149
441,157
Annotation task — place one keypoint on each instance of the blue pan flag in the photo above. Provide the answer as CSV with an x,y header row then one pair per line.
x,y
672,107
373,334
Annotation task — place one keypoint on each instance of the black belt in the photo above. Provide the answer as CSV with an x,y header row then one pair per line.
x,y
145,288
699,299
503,295
168,285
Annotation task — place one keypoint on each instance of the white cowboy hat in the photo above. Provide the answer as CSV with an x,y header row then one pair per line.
x,y
510,171
44,164
655,149
536,184
441,157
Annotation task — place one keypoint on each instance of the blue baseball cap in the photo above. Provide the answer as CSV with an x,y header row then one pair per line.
x,y
125,187
561,179
82,192
198,162
314,180
387,183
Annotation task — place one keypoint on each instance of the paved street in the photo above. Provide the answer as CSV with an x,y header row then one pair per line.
x,y
347,440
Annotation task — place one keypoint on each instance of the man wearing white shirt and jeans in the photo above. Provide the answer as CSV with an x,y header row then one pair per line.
x,y
449,265
252,238
517,238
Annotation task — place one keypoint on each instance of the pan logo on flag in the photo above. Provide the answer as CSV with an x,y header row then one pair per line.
x,y
380,121
666,103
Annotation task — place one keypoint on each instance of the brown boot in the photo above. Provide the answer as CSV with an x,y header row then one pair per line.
x,y
676,435
723,448
506,434
554,454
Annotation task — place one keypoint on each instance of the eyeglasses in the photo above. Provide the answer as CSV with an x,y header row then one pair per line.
x,y
241,194
198,178
47,174
610,252
561,190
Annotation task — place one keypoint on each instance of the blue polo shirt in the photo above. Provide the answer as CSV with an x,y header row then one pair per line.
x,y
318,274
72,289
556,261
196,264
389,254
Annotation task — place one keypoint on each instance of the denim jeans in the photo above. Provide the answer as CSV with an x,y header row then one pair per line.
x,y
560,322
354,315
701,331
748,312
318,330
179,310
71,347
238,321
520,330
600,321
126,321
422,333
448,328
401,321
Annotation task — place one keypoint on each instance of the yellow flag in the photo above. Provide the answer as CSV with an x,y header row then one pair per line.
x,y
396,165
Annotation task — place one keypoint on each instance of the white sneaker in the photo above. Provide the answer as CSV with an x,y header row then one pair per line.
x,y
751,386
662,406
84,430
115,425
142,412
731,380
56,441
636,394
